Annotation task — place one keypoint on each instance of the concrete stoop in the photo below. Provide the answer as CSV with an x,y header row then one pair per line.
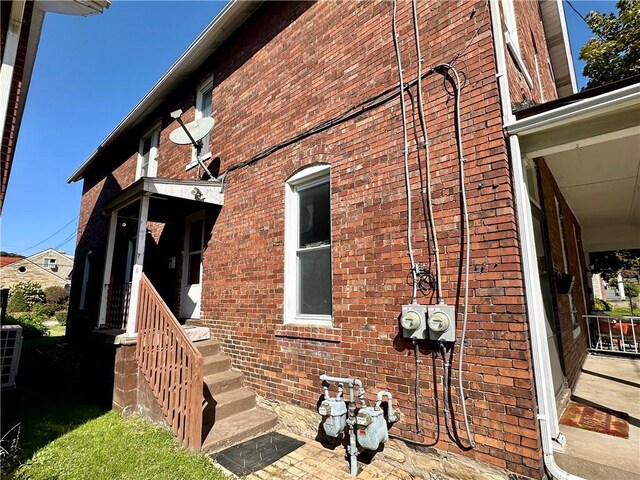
x,y
230,414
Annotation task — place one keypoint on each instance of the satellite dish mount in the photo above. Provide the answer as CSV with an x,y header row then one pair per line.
x,y
192,133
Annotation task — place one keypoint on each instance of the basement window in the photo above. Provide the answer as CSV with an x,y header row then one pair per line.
x,y
308,247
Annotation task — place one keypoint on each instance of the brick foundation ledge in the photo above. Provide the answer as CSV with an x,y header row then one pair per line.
x,y
415,461
321,334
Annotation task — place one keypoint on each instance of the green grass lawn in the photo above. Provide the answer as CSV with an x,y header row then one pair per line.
x,y
63,432
110,447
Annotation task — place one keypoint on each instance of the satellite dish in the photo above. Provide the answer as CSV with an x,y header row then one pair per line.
x,y
190,133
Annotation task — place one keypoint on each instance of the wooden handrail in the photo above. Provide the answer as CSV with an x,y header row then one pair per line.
x,y
171,364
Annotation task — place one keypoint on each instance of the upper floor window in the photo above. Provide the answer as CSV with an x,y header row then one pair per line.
x,y
308,247
204,108
511,39
49,263
148,154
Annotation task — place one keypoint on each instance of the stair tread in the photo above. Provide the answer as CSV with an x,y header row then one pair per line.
x,y
206,343
237,428
218,377
218,357
225,398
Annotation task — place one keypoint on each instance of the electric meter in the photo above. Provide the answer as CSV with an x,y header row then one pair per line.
x,y
441,323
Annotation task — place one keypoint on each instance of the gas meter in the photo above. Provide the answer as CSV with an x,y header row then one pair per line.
x,y
334,413
371,428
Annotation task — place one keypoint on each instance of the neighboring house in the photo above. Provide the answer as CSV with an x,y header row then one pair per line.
x,y
48,268
297,256
7,260
20,26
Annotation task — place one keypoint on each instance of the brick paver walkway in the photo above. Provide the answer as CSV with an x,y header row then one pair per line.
x,y
312,461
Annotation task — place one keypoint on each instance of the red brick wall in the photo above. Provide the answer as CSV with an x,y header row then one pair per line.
x,y
574,350
530,38
11,126
296,65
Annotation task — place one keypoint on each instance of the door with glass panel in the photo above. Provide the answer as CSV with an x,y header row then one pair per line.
x,y
192,267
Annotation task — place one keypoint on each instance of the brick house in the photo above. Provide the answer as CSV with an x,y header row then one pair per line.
x,y
48,268
295,254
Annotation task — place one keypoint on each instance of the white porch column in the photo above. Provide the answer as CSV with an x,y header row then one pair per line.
x,y
137,267
108,261
621,287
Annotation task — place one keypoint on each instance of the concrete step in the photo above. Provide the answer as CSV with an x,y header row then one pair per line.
x,y
224,405
196,322
223,382
208,347
238,428
216,364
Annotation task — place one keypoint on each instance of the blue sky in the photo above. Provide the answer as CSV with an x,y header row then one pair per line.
x,y
89,73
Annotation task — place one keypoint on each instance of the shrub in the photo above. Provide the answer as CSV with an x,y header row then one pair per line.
x,y
56,295
61,316
602,306
31,324
46,310
31,291
17,303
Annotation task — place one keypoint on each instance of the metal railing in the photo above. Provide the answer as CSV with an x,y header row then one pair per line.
x,y
171,364
118,301
613,334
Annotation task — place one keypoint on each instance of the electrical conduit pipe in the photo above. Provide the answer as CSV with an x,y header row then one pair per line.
x,y
534,297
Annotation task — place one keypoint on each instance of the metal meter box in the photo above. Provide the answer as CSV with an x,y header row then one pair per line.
x,y
413,321
441,322
334,413
371,428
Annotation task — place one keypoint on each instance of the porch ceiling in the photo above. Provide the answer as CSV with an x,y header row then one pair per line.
x,y
601,183
592,147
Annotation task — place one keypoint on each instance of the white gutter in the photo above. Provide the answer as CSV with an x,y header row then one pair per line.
x,y
624,97
547,413
202,47
9,59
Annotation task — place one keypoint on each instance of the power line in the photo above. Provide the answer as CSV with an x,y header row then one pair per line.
x,y
50,236
584,19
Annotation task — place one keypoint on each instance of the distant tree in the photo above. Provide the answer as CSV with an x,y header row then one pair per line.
x,y
30,291
632,290
614,52
17,303
9,254
56,295
609,264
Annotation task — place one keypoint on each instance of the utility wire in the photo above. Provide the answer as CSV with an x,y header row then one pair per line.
x,y
405,154
50,236
425,137
584,19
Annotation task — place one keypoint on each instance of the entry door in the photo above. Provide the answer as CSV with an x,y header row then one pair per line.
x,y
192,267
547,297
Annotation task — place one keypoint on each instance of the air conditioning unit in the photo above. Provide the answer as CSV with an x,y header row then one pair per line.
x,y
10,344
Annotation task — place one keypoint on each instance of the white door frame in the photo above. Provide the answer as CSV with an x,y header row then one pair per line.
x,y
191,291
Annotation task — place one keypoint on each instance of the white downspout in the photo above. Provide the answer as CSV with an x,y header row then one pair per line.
x,y
9,58
547,414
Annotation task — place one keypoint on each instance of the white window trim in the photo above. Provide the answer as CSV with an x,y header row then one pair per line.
x,y
205,85
152,169
512,41
48,262
306,177
85,281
